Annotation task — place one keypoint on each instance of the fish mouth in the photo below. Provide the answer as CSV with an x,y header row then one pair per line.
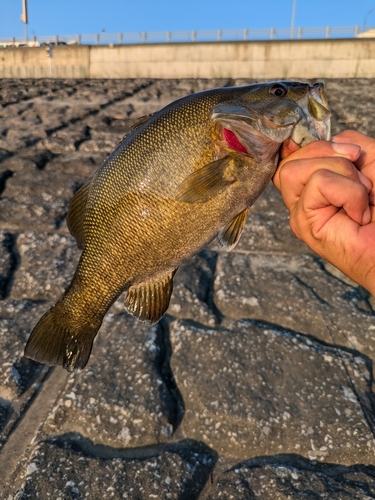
x,y
318,117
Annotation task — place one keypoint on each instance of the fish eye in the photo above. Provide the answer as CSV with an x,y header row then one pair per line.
x,y
278,90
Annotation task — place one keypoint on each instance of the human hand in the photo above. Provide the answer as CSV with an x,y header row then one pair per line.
x,y
328,188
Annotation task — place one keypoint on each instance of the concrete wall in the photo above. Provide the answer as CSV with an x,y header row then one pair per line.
x,y
345,58
67,62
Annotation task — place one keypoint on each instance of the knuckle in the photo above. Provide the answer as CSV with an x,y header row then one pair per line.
x,y
287,174
334,167
362,192
347,168
322,175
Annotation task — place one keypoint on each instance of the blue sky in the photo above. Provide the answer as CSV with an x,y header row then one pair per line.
x,y
66,17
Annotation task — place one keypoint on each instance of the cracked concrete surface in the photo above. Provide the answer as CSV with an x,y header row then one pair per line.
x,y
258,382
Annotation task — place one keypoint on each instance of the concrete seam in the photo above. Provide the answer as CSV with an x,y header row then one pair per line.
x,y
27,428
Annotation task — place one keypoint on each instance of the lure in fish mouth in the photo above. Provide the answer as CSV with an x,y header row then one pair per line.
x,y
258,129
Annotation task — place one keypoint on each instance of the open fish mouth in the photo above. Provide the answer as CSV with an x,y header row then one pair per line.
x,y
318,112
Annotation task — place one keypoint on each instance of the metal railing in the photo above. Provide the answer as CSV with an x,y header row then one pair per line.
x,y
193,36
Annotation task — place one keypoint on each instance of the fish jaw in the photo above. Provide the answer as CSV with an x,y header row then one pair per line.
x,y
316,124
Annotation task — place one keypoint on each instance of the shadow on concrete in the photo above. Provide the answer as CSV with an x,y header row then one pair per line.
x,y
6,411
197,458
293,476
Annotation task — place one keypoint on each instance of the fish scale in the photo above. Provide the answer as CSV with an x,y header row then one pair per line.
x,y
169,188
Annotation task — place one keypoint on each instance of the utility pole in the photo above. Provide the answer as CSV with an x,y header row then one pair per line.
x,y
293,18
24,18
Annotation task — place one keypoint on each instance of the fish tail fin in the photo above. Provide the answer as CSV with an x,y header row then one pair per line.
x,y
54,342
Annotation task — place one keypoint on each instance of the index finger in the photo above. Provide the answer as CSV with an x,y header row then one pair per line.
x,y
319,149
295,174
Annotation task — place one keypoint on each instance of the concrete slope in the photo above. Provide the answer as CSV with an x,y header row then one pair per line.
x,y
258,383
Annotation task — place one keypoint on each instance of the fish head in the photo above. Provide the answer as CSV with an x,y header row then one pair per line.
x,y
260,120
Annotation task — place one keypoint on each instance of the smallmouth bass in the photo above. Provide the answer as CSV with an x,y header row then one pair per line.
x,y
183,176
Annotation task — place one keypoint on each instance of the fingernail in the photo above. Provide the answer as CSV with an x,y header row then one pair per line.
x,y
346,149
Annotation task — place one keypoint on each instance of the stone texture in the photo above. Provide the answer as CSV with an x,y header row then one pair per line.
x,y
84,164
19,377
16,320
121,398
298,292
27,212
7,261
34,198
302,402
47,265
28,160
46,185
258,382
192,290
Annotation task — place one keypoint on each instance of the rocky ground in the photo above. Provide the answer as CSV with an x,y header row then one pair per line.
x,y
258,383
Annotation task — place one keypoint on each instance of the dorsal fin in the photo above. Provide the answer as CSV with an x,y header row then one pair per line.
x,y
76,214
230,235
143,119
149,301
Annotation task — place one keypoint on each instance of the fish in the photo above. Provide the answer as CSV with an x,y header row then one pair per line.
x,y
180,178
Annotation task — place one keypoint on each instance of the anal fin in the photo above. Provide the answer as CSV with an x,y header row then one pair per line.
x,y
230,235
76,214
149,301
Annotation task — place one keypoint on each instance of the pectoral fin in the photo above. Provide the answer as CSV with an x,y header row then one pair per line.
x,y
76,214
149,301
230,235
208,181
